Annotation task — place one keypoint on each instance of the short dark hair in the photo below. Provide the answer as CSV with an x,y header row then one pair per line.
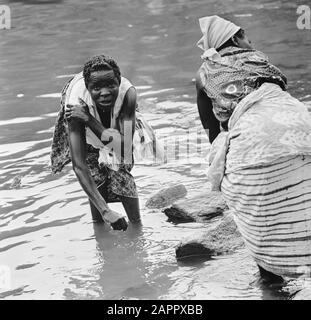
x,y
229,43
99,63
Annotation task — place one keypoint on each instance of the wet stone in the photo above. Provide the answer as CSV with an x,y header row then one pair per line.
x,y
200,208
166,197
224,238
304,294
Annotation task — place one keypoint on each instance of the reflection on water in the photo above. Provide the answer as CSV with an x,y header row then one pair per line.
x,y
47,238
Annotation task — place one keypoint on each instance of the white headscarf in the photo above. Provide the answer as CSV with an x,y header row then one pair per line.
x,y
216,31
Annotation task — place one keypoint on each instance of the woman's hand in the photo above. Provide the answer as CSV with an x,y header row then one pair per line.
x,y
120,224
78,112
116,220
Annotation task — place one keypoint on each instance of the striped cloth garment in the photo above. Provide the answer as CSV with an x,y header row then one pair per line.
x,y
272,208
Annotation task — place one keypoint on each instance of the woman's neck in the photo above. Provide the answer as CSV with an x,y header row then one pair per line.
x,y
105,118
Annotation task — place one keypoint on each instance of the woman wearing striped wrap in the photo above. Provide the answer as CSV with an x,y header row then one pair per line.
x,y
261,148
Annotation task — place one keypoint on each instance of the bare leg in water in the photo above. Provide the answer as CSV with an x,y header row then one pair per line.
x,y
131,207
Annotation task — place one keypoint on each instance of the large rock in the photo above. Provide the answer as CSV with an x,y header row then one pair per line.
x,y
224,238
166,197
200,208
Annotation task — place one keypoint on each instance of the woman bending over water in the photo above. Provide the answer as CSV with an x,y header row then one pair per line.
x,y
261,153
95,129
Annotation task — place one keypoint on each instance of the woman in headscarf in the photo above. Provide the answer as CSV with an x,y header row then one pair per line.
x,y
99,129
261,152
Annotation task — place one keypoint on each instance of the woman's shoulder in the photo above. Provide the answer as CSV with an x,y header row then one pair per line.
x,y
77,80
76,90
125,84
125,94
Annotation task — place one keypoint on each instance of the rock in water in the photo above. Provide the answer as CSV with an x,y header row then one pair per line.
x,y
224,238
304,294
199,208
166,197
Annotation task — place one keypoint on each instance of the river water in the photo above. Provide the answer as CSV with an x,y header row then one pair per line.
x,y
47,240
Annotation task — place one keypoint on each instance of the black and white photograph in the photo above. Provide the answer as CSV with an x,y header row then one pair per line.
x,y
155,150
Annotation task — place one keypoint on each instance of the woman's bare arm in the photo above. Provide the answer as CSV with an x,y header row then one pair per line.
x,y
205,107
77,141
126,123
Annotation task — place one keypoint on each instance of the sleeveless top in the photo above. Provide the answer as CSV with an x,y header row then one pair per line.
x,y
73,90
77,89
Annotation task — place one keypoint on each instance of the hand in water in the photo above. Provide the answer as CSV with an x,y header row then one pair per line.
x,y
120,224
116,220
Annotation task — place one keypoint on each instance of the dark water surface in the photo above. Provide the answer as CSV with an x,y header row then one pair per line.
x,y
47,238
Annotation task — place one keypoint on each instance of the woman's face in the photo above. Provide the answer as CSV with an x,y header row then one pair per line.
x,y
103,87
243,42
